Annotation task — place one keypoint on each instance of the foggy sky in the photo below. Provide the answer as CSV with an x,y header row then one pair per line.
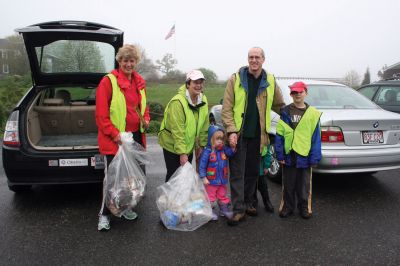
x,y
308,38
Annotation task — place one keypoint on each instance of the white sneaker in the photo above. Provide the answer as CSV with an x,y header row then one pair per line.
x,y
129,215
104,223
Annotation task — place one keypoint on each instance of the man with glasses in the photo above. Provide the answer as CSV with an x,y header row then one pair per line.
x,y
249,96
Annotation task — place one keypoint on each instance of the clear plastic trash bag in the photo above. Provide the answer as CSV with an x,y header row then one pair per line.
x,y
183,201
125,181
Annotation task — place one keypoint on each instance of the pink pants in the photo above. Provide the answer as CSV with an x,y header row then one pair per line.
x,y
217,192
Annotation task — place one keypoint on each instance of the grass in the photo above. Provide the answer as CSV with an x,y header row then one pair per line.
x,y
162,93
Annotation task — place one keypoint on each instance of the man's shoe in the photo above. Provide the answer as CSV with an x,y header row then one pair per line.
x,y
285,213
268,206
305,214
236,219
104,223
129,215
251,211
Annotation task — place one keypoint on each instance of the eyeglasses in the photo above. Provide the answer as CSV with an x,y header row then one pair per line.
x,y
255,58
296,92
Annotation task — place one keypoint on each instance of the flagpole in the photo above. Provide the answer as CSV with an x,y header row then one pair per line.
x,y
175,42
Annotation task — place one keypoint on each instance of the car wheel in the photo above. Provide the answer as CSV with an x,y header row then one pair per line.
x,y
19,188
211,119
275,170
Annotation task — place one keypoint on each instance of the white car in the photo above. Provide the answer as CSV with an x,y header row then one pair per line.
x,y
357,135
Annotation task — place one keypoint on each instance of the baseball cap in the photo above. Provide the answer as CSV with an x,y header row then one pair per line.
x,y
194,75
298,86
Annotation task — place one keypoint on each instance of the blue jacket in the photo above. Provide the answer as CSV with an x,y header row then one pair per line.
x,y
302,161
245,84
213,164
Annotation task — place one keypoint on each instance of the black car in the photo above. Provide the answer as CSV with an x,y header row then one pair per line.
x,y
51,135
385,93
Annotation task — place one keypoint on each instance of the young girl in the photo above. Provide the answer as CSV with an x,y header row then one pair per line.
x,y
213,169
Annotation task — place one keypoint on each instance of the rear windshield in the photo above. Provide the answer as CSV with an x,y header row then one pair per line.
x,y
72,56
69,96
337,97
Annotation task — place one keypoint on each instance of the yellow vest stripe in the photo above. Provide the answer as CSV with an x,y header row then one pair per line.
x,y
118,105
241,102
300,139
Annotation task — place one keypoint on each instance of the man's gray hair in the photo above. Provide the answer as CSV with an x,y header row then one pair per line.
x,y
261,49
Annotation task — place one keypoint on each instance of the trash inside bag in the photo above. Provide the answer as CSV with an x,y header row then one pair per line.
x,y
183,201
125,180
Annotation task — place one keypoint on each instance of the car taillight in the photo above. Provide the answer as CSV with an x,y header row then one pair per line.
x,y
331,134
11,134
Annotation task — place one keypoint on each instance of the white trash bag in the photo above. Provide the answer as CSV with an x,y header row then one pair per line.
x,y
125,181
183,202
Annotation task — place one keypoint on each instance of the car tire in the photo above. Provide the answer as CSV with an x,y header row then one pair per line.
x,y
19,188
275,170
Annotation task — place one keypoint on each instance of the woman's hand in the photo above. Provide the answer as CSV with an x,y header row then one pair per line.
x,y
205,181
117,139
282,162
183,158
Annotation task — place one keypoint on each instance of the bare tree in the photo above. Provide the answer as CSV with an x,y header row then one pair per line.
x,y
382,71
352,79
146,68
166,64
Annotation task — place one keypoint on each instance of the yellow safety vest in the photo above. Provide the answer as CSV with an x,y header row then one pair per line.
x,y
118,105
241,102
192,131
299,139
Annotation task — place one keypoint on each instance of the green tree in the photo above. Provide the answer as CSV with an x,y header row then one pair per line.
x,y
81,56
367,78
12,88
166,64
210,75
175,76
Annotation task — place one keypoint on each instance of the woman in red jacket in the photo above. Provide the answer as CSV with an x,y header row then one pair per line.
x,y
120,106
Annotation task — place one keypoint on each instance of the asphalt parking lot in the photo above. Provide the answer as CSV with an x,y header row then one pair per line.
x,y
356,221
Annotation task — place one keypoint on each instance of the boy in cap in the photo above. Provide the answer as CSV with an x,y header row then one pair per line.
x,y
298,149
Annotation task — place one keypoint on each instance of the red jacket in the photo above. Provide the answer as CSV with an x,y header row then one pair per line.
x,y
131,90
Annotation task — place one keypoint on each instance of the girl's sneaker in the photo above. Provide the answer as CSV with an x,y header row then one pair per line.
x,y
104,223
224,211
129,215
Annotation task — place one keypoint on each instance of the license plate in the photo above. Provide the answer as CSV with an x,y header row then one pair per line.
x,y
372,137
73,162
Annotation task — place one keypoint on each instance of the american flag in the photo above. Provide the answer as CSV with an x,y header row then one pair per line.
x,y
170,33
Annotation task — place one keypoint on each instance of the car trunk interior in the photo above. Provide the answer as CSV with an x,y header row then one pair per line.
x,y
54,123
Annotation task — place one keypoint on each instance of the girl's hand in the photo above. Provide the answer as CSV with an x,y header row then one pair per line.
x,y
233,140
205,181
282,162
